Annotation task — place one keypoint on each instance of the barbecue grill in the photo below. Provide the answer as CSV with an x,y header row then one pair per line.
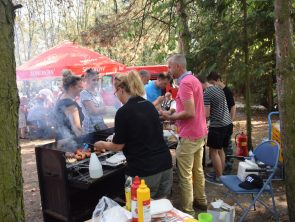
x,y
67,191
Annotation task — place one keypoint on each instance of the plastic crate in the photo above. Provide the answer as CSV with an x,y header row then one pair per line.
x,y
276,135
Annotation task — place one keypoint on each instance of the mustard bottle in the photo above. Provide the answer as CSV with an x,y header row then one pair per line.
x,y
128,193
144,203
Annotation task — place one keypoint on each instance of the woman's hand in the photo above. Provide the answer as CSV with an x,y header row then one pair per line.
x,y
100,146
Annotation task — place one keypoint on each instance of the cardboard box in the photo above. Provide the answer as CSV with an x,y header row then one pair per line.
x,y
222,212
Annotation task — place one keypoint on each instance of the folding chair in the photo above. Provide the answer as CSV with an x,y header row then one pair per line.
x,y
267,156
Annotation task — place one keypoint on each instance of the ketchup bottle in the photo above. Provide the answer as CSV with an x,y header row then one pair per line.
x,y
134,186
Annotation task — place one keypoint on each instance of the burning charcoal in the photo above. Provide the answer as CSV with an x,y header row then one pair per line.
x,y
71,160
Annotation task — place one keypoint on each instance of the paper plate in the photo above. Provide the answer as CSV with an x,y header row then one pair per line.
x,y
160,206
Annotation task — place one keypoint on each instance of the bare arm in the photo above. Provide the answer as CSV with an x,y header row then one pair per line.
x,y
158,101
187,113
233,112
101,146
73,114
92,109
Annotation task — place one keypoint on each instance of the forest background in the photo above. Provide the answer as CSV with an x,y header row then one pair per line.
x,y
248,42
213,34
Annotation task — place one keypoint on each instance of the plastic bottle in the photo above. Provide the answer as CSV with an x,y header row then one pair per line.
x,y
144,203
128,193
95,168
134,186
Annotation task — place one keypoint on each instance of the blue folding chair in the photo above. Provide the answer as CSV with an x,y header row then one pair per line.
x,y
267,156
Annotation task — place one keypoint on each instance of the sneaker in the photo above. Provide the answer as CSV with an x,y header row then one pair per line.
x,y
211,174
215,181
192,213
202,207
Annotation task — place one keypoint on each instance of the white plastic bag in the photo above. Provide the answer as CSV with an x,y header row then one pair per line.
x,y
108,210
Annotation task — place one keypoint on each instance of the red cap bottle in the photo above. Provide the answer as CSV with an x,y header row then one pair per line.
x,y
134,186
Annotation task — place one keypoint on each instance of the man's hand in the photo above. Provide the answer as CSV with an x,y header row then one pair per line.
x,y
159,100
165,114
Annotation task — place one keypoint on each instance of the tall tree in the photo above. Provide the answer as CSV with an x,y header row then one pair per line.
x,y
184,38
285,71
11,182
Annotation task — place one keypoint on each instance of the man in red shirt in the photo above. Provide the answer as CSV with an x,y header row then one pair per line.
x,y
191,121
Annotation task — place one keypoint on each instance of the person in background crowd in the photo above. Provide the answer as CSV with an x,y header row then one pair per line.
x,y
154,89
68,114
22,121
215,79
220,128
191,121
38,116
92,104
168,104
47,96
145,76
139,135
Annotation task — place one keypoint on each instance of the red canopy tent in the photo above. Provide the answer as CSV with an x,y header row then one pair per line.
x,y
152,69
66,56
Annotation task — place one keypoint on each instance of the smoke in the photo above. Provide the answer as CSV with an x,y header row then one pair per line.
x,y
69,144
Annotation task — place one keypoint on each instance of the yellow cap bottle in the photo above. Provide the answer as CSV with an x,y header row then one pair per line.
x,y
144,203
128,193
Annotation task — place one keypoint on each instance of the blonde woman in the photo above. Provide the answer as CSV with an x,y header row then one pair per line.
x,y
138,133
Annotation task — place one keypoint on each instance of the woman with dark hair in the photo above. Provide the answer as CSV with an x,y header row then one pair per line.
x,y
68,114
92,103
138,133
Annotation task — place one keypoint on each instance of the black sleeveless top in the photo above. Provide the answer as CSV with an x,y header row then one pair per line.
x,y
62,122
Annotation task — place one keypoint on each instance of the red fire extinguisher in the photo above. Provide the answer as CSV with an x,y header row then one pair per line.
x,y
241,144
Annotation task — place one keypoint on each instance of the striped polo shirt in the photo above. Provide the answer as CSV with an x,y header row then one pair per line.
x,y
219,114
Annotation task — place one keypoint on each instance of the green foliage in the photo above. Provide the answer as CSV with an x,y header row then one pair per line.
x,y
143,32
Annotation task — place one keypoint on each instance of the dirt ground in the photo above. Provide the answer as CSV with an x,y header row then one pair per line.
x,y
260,130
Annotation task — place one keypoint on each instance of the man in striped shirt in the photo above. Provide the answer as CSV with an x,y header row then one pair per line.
x,y
215,79
220,127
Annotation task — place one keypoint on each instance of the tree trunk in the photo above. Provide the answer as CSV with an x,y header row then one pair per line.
x,y
184,34
247,75
11,183
285,72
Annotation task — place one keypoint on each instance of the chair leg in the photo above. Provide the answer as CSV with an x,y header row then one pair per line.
x,y
236,200
254,203
274,207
